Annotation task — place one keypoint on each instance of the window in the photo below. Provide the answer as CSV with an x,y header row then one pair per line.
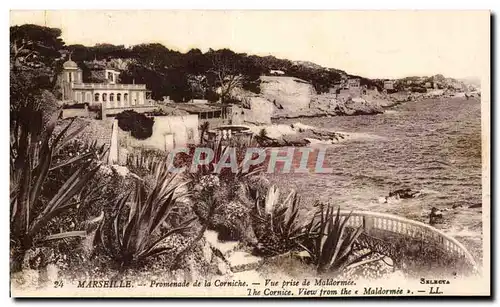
x,y
96,97
133,98
118,97
111,97
70,76
104,97
110,76
125,97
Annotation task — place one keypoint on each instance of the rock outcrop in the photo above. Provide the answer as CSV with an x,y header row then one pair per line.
x,y
328,105
287,93
288,97
253,110
294,135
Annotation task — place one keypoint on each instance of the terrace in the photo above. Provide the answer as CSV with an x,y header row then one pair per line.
x,y
106,86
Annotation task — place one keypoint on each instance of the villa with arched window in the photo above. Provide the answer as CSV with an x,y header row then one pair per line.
x,y
113,96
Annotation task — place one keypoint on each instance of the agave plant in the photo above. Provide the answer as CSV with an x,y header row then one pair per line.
x,y
329,242
137,232
32,150
276,224
145,161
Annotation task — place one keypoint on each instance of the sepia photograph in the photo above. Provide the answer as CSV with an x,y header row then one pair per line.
x,y
249,153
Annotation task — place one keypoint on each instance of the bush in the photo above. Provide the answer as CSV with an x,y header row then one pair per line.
x,y
253,87
136,230
140,126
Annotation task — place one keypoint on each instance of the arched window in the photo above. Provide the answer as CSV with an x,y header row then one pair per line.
x,y
125,97
104,97
118,97
96,97
111,97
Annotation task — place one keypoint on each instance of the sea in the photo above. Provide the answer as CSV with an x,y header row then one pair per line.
x,y
432,146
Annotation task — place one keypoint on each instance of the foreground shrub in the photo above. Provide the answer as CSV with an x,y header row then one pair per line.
x,y
139,125
136,230
276,223
222,198
32,153
223,207
145,161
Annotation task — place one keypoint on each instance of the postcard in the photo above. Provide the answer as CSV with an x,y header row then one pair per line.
x,y
289,154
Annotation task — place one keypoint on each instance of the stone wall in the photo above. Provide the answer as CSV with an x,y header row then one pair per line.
x,y
169,132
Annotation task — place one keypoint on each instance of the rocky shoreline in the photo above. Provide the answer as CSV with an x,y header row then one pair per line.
x,y
327,105
297,134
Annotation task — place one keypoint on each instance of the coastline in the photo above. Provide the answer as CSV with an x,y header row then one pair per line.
x,y
327,105
298,134
365,144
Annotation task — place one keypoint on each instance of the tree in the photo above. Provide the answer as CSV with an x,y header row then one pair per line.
x,y
34,46
195,62
230,70
80,53
107,51
35,61
151,55
198,85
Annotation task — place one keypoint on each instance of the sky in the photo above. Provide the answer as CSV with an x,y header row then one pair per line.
x,y
374,44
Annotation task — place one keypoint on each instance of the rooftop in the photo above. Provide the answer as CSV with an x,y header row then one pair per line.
x,y
70,64
197,107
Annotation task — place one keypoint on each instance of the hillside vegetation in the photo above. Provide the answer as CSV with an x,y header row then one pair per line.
x,y
38,53
181,76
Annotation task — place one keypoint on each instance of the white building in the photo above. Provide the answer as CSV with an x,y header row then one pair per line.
x,y
110,94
